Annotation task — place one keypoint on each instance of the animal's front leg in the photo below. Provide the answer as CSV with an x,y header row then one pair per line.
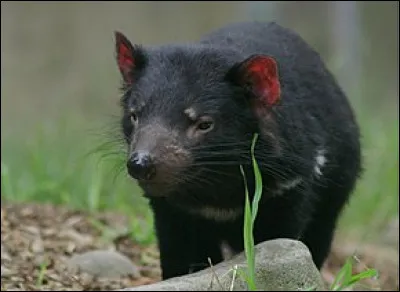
x,y
186,243
206,245
175,239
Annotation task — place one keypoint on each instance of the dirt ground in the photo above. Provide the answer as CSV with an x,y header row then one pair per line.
x,y
37,239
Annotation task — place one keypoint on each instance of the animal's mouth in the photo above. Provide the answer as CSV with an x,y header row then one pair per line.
x,y
163,184
154,189
174,181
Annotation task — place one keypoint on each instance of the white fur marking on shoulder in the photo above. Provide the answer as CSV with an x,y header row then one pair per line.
x,y
290,184
226,251
287,185
219,214
320,161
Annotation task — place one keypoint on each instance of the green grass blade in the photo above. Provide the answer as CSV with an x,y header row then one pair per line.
x,y
370,273
248,238
343,276
42,273
258,181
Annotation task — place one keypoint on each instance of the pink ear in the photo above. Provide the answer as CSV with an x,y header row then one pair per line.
x,y
260,75
125,57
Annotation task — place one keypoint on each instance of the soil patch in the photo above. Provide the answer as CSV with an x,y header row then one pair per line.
x,y
38,240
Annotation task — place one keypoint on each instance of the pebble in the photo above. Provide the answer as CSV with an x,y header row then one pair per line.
x,y
103,263
77,237
37,245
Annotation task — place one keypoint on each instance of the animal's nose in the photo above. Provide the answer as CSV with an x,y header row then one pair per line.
x,y
141,166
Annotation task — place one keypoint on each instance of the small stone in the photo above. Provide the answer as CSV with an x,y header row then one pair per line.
x,y
80,239
31,229
71,222
47,232
27,212
71,247
37,245
103,263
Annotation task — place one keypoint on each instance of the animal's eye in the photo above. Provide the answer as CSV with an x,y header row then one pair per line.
x,y
205,125
134,118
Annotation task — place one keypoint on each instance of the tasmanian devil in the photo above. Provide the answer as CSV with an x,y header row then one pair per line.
x,y
190,112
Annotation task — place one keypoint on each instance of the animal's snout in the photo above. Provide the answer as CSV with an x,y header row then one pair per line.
x,y
141,166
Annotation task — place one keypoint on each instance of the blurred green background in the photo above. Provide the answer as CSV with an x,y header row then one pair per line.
x,y
59,93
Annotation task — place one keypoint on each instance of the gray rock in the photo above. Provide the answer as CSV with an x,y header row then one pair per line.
x,y
103,263
281,265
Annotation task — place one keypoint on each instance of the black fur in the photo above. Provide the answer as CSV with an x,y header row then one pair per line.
x,y
313,114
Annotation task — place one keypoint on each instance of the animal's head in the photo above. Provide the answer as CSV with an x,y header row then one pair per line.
x,y
188,111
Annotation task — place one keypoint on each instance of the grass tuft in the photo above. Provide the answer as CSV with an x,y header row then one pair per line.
x,y
345,278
